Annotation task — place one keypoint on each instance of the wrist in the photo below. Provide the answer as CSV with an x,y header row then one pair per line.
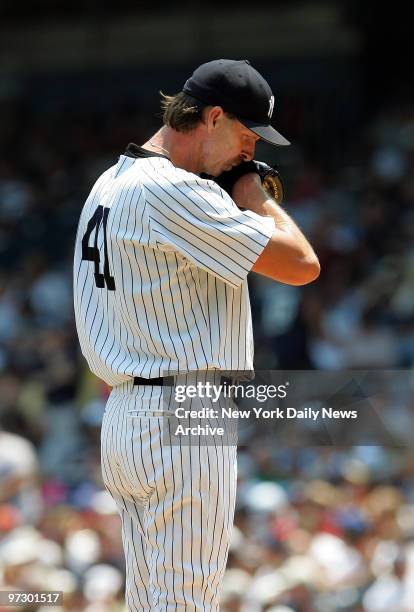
x,y
249,193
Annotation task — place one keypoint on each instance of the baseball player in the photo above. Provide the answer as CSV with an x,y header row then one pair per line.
x,y
161,260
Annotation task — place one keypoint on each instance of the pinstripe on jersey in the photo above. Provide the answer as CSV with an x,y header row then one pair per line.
x,y
179,250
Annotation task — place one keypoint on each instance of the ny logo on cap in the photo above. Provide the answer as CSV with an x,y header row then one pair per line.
x,y
271,105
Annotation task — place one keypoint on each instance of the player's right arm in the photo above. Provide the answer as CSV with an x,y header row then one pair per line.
x,y
288,257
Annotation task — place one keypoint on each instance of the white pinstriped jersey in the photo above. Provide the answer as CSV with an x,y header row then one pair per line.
x,y
161,261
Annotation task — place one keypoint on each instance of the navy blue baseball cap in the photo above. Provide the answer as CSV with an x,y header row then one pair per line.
x,y
240,90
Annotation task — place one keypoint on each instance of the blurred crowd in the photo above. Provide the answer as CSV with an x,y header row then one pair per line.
x,y
316,529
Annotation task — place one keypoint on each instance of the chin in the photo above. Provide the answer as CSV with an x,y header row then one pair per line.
x,y
216,173
225,168
230,166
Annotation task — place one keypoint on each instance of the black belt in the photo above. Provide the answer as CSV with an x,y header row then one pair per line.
x,y
168,381
155,382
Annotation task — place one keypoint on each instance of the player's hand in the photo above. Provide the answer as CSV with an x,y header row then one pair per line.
x,y
269,178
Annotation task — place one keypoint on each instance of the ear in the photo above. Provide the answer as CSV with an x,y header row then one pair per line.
x,y
214,114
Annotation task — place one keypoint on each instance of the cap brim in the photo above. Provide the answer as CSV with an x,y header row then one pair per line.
x,y
266,133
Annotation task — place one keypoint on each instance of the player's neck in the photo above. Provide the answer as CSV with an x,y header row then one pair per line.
x,y
181,148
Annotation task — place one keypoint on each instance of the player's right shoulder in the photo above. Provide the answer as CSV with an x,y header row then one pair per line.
x,y
105,177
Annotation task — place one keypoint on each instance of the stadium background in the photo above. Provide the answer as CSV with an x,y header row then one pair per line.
x,y
317,529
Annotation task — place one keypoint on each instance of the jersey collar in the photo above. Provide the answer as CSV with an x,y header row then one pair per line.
x,y
133,150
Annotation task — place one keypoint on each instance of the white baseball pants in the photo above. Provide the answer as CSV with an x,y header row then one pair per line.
x,y
176,503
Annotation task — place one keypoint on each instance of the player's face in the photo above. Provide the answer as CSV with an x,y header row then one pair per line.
x,y
228,143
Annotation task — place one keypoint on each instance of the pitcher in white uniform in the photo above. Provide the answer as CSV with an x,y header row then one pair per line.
x,y
161,262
